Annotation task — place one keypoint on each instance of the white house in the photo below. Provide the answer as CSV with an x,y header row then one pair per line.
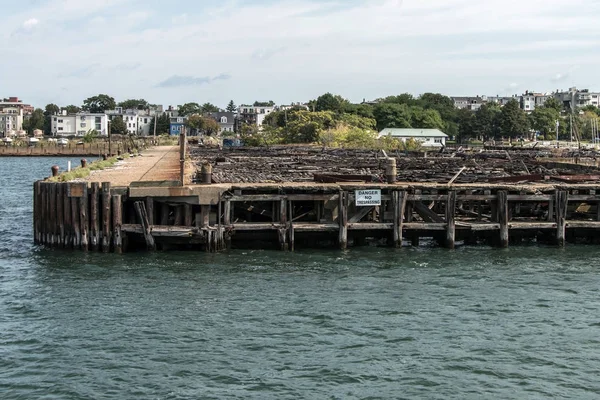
x,y
79,124
11,121
427,137
137,121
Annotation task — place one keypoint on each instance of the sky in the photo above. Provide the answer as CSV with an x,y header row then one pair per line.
x,y
178,51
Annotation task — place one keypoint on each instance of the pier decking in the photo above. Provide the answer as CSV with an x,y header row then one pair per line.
x,y
149,206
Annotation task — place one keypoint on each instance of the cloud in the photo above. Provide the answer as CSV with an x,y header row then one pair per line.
x,y
179,80
560,77
30,23
179,19
265,54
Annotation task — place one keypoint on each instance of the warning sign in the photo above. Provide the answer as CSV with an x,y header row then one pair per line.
x,y
366,198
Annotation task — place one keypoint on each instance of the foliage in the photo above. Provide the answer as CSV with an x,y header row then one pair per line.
x,y
345,135
554,103
50,110
35,121
231,107
99,104
487,121
118,126
330,102
392,115
163,125
269,103
467,124
543,120
134,104
71,109
189,109
209,108
425,118
513,120
79,172
90,136
358,121
202,125
363,110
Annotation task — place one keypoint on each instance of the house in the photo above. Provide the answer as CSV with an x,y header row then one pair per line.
x,y
175,125
427,137
254,115
137,121
15,102
79,124
574,98
11,121
225,119
469,103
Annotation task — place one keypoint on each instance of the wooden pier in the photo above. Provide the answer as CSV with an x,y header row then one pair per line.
x,y
131,210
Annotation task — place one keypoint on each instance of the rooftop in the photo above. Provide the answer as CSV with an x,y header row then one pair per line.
x,y
409,132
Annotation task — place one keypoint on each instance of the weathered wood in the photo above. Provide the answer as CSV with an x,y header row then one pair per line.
x,y
83,218
169,231
75,220
450,223
370,226
178,215
343,219
399,205
188,216
52,214
60,215
204,216
150,209
94,216
283,217
425,213
36,212
164,213
562,198
140,210
360,214
502,212
106,217
67,217
227,221
424,226
117,219
531,225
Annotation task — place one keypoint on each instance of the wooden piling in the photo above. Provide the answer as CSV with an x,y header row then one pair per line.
x,y
150,209
227,222
52,214
60,215
75,220
117,214
178,215
343,219
399,206
450,223
187,215
140,209
164,213
502,215
94,216
83,218
106,217
67,217
561,201
43,213
36,212
283,225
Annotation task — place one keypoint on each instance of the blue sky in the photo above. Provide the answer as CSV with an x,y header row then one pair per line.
x,y
172,52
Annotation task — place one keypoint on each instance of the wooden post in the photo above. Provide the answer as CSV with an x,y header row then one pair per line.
x,y
178,215
83,218
399,208
283,224
182,143
343,219
43,212
75,221
409,218
561,201
150,209
140,209
52,214
117,214
67,216
227,222
164,213
188,217
450,223
502,215
94,215
36,212
60,215
204,216
106,217
291,226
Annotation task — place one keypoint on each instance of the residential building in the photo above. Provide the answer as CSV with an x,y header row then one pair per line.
x,y
574,98
301,106
11,121
527,102
225,119
427,137
137,121
176,123
254,115
469,103
500,100
15,102
79,124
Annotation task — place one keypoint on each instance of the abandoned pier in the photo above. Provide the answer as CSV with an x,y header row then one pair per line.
x,y
213,200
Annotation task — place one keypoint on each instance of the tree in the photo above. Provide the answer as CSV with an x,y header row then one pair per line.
x,y
554,103
231,107
50,110
269,103
405,98
543,120
189,109
467,121
118,126
71,109
513,120
34,121
425,119
202,125
208,108
99,104
134,104
444,105
163,125
392,115
487,121
364,110
330,102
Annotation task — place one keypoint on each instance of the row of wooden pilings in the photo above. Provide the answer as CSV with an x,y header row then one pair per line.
x,y
73,216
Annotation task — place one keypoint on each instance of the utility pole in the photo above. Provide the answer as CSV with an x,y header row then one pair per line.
x,y
557,124
155,120
109,141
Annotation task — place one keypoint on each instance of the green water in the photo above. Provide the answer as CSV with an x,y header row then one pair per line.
x,y
370,323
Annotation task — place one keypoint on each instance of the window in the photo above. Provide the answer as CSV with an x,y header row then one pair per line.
x,y
82,117
438,140
60,121
54,119
60,128
145,120
223,120
82,125
98,120
98,127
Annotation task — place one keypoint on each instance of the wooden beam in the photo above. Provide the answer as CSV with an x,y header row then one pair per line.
x,y
106,217
562,199
426,213
117,214
502,212
450,223
140,210
343,219
94,216
360,214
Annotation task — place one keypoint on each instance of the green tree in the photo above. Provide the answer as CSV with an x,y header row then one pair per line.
x,y
363,110
357,121
50,110
202,125
405,98
330,102
269,103
513,120
467,122
444,105
543,120
189,109
34,121
99,104
163,125
118,126
208,108
425,118
554,103
134,104
487,121
392,115
71,109
231,107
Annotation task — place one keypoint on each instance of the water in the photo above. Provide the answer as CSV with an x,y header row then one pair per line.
x,y
374,323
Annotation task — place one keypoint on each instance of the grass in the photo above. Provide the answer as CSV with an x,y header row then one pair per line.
x,y
79,172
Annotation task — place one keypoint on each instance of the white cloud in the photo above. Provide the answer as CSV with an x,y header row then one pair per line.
x,y
30,23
